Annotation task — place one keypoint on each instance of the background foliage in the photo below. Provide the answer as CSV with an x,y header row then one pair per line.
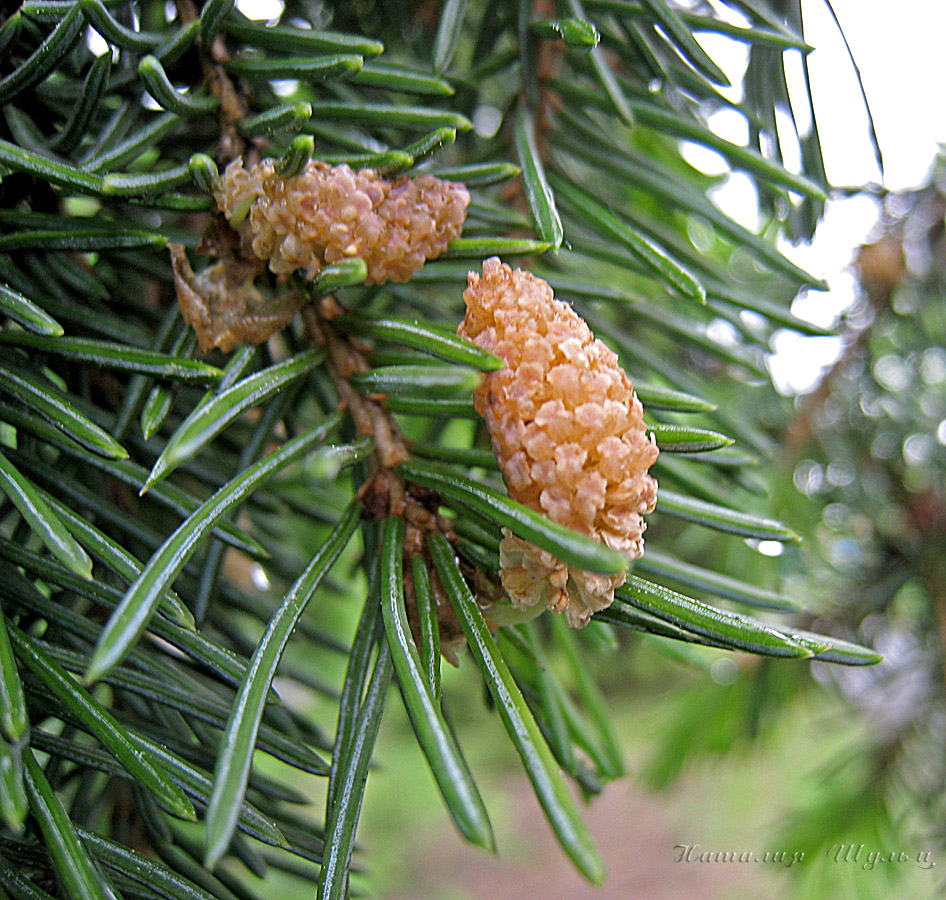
x,y
176,529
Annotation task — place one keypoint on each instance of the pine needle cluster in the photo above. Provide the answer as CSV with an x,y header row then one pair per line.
x,y
317,497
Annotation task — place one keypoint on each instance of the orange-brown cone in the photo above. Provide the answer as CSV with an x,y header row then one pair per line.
x,y
568,431
326,214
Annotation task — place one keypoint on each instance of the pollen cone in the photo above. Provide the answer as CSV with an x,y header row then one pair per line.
x,y
568,431
329,213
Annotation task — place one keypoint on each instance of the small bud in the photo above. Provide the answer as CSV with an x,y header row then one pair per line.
x,y
568,432
326,214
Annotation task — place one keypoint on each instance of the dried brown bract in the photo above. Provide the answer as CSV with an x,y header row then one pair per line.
x,y
326,214
223,305
568,432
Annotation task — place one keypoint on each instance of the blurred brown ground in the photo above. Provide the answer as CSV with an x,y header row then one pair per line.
x,y
636,833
